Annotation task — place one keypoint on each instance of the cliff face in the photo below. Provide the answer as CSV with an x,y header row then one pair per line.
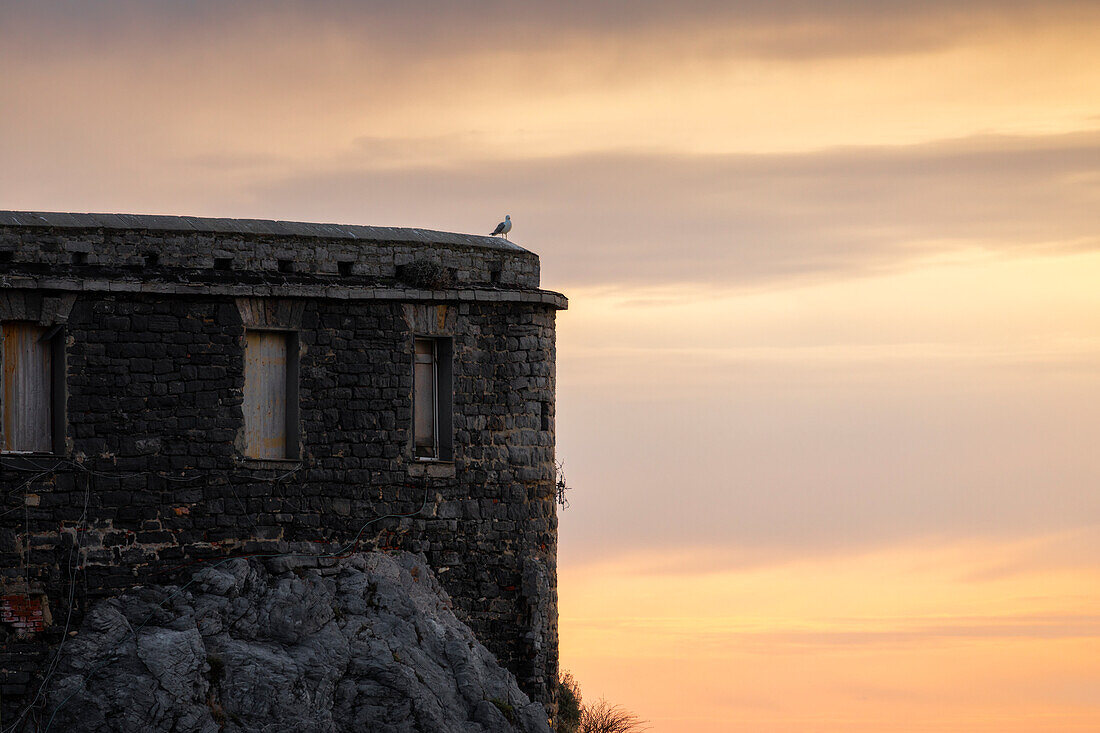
x,y
310,645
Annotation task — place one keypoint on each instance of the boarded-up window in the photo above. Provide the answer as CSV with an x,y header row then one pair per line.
x,y
28,388
432,399
424,401
270,395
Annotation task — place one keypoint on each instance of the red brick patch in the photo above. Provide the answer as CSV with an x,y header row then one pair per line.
x,y
24,613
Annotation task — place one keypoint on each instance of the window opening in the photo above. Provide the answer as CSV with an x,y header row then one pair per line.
x,y
271,394
33,388
432,399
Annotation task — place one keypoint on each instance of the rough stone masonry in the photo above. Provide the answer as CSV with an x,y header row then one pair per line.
x,y
220,388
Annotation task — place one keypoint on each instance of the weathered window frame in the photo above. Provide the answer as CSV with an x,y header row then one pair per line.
x,y
441,393
57,422
291,436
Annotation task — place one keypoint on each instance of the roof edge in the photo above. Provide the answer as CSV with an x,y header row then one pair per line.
x,y
260,227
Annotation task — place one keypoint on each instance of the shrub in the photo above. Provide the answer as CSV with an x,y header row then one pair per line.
x,y
604,718
426,275
506,709
575,717
569,704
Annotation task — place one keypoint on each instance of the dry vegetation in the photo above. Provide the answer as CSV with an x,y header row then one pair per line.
x,y
576,717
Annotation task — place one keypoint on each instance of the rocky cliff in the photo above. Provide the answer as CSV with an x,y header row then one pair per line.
x,y
310,645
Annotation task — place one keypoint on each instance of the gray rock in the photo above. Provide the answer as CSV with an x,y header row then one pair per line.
x,y
371,645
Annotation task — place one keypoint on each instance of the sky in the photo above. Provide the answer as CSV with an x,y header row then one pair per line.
x,y
829,379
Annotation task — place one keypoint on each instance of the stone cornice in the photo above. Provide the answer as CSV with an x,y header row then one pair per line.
x,y
289,290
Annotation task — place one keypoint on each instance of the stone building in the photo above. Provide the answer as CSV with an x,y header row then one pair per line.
x,y
178,390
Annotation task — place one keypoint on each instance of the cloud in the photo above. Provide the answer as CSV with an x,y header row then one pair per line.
x,y
736,219
938,402
108,99
235,162
774,462
634,217
854,632
796,29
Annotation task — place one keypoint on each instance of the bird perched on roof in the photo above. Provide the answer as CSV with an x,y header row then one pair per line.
x,y
504,227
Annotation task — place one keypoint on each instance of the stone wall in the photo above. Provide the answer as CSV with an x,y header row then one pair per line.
x,y
153,485
229,249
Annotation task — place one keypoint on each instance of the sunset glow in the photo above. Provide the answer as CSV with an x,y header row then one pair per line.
x,y
922,637
829,382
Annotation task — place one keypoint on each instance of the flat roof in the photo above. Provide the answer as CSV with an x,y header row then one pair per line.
x,y
258,227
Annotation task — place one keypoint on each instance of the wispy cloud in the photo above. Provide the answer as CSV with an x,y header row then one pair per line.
x,y
892,638
852,632
796,28
742,219
650,218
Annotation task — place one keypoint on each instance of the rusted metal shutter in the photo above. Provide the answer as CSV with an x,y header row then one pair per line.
x,y
265,394
424,400
27,391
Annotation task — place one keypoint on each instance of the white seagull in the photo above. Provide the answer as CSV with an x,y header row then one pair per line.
x,y
504,227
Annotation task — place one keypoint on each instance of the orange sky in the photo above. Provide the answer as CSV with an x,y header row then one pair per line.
x,y
828,383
